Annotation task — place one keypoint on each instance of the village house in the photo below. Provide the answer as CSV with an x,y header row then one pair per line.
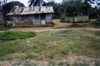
x,y
30,16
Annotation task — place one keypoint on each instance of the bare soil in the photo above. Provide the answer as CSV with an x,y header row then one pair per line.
x,y
70,60
58,26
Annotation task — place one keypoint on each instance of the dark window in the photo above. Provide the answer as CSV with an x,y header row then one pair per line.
x,y
36,16
43,16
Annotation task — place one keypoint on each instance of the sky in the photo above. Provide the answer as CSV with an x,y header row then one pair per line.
x,y
25,2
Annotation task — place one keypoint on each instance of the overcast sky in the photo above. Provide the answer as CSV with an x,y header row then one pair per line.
x,y
25,2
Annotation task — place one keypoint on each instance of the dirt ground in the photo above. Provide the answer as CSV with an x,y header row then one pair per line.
x,y
69,60
58,26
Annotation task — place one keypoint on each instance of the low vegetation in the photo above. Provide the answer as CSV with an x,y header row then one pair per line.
x,y
97,23
78,18
52,45
4,28
10,35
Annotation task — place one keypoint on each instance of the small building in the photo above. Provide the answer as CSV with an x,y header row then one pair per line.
x,y
32,16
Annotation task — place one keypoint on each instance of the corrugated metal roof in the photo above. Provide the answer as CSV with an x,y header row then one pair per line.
x,y
31,10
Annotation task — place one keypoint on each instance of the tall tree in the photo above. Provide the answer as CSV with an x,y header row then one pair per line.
x,y
7,7
3,2
66,4
56,7
36,2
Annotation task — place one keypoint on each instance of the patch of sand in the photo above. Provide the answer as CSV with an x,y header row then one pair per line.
x,y
58,26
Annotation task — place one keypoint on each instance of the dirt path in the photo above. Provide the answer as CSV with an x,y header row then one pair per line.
x,y
58,26
70,60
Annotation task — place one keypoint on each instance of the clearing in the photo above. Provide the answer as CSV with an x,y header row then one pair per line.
x,y
58,26
53,43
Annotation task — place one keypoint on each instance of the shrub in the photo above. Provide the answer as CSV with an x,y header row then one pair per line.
x,y
10,35
4,28
97,33
97,22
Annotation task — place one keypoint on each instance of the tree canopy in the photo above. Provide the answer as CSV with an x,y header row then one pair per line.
x,y
7,7
2,2
36,2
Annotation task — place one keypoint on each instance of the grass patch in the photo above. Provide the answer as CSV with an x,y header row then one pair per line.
x,y
4,28
10,35
53,45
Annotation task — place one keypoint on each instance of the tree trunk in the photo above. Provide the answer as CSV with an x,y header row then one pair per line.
x,y
4,18
62,17
74,20
98,14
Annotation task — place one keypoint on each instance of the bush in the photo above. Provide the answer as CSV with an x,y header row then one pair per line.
x,y
97,33
97,22
10,35
4,28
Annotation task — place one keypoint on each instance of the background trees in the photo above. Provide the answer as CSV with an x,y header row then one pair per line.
x,y
36,2
3,2
70,8
77,8
7,7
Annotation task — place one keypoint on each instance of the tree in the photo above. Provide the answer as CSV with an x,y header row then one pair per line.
x,y
56,7
7,7
69,6
3,2
36,2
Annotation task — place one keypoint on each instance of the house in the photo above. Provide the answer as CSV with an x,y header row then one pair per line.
x,y
32,16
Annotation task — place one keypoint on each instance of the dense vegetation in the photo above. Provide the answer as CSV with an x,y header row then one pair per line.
x,y
10,35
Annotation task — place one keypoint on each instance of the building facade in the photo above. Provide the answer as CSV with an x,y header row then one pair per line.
x,y
30,16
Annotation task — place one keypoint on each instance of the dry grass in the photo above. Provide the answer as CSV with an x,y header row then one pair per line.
x,y
53,45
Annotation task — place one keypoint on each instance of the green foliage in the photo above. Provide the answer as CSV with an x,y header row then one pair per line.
x,y
4,28
80,64
97,33
97,63
73,8
7,49
10,35
77,9
7,7
56,8
36,2
93,12
97,23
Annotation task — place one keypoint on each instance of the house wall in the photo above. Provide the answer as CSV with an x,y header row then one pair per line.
x,y
25,20
49,18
